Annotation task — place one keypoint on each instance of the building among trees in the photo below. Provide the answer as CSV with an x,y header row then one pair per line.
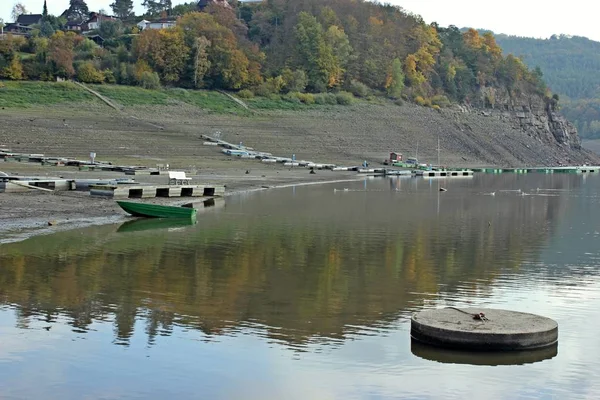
x,y
29,19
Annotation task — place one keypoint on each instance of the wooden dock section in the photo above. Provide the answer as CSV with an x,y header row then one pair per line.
x,y
151,191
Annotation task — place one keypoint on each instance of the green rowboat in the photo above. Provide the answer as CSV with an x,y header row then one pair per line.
x,y
156,211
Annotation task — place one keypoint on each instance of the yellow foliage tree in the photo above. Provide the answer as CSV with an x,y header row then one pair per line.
x,y
415,77
491,47
14,70
87,73
472,39
164,50
419,64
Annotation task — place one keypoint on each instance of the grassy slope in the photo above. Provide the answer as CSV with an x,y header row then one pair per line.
x,y
27,94
31,94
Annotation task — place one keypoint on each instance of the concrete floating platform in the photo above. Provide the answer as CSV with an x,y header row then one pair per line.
x,y
14,185
504,330
151,191
444,174
585,169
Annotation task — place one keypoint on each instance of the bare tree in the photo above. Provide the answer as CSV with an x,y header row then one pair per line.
x,y
18,9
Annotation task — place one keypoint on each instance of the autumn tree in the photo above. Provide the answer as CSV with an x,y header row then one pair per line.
x,y
164,50
61,52
123,9
227,17
315,52
336,38
13,69
228,63
419,64
87,73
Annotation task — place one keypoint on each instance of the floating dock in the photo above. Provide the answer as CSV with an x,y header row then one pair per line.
x,y
151,191
23,184
498,330
542,170
444,173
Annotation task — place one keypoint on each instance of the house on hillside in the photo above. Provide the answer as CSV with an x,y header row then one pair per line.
x,y
163,23
143,24
76,26
96,20
29,19
99,40
17,29
92,23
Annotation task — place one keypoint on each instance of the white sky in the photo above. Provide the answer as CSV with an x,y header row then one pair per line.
x,y
536,18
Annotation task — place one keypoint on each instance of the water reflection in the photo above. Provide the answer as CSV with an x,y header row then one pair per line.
x,y
144,224
314,263
449,356
332,276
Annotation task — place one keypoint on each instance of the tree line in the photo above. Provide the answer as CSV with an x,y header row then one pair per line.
x,y
275,47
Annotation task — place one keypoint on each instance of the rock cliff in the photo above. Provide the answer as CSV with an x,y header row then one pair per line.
x,y
537,116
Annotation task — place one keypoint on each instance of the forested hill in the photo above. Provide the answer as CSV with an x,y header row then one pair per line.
x,y
571,64
276,47
571,67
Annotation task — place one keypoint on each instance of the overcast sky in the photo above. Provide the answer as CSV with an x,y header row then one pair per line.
x,y
536,18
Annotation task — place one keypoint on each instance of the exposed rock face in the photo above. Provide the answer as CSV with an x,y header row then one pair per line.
x,y
534,115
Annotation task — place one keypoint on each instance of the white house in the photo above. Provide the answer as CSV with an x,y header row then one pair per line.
x,y
96,20
163,23
143,24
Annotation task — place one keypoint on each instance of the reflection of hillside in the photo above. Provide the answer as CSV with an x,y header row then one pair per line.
x,y
358,259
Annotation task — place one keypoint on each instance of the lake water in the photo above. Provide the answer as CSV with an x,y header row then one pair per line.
x,y
306,293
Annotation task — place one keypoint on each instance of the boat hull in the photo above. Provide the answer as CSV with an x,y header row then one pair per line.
x,y
156,211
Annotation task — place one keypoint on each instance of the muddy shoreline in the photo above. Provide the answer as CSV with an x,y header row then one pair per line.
x,y
23,215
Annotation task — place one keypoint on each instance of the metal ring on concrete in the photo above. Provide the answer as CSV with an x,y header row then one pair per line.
x,y
502,330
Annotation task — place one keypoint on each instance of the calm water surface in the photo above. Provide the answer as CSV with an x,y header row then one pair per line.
x,y
307,292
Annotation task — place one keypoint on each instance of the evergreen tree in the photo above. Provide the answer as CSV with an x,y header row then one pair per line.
x,y
123,9
45,12
77,11
154,7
